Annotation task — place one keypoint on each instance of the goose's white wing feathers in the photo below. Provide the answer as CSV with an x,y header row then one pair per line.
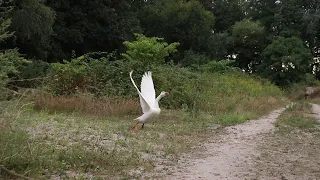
x,y
147,88
143,102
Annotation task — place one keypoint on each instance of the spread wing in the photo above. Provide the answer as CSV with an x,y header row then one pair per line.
x,y
143,101
147,88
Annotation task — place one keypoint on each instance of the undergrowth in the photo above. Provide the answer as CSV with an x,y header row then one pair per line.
x,y
84,131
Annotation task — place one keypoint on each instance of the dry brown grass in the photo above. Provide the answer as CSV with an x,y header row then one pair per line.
x,y
260,105
102,106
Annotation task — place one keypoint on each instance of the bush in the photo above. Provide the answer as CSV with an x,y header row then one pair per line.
x,y
217,88
147,52
220,66
32,74
193,59
10,62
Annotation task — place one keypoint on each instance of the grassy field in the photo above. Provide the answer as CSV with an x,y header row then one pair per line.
x,y
67,137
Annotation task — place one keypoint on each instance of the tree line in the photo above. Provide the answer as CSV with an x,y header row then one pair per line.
x,y
275,39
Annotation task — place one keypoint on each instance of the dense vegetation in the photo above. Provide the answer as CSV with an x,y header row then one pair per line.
x,y
278,40
223,62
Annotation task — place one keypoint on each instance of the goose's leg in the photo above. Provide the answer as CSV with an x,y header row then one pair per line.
x,y
142,125
134,127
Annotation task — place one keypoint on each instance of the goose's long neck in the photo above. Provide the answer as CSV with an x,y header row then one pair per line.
x,y
158,99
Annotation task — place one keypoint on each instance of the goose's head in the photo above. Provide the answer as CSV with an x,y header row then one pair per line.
x,y
163,93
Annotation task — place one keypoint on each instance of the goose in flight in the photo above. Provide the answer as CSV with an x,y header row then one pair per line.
x,y
148,101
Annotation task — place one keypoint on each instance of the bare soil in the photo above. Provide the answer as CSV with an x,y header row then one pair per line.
x,y
255,150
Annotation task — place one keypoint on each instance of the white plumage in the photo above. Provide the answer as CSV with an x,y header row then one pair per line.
x,y
148,101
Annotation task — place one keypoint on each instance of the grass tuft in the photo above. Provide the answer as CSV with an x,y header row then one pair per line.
x,y
298,116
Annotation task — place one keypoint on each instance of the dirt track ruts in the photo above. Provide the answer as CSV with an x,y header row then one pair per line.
x,y
230,157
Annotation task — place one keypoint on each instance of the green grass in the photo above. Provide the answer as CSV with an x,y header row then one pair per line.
x,y
298,116
43,144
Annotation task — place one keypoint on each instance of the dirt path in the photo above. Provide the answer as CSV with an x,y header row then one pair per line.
x,y
232,156
290,154
316,110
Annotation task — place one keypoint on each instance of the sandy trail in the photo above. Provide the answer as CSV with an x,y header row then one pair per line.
x,y
316,111
231,157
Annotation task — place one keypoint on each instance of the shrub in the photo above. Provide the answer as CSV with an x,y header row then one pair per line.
x,y
10,63
67,77
220,66
193,59
146,52
32,74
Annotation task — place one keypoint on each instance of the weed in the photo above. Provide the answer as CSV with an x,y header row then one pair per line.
x,y
232,119
297,116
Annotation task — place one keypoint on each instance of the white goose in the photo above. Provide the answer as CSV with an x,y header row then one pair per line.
x,y
148,101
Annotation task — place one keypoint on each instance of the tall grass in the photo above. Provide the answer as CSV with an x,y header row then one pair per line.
x,y
212,93
86,104
239,93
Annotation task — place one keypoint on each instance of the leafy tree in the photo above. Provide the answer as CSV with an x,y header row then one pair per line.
x,y
289,18
10,60
146,52
311,25
32,22
221,45
178,21
5,21
263,11
193,59
248,39
227,13
84,26
285,61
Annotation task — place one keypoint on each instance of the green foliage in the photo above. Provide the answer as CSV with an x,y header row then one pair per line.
x,y
10,62
90,26
89,74
191,58
102,76
183,86
178,21
5,21
66,78
226,13
221,45
147,52
248,43
285,61
33,22
289,18
220,66
188,89
32,74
